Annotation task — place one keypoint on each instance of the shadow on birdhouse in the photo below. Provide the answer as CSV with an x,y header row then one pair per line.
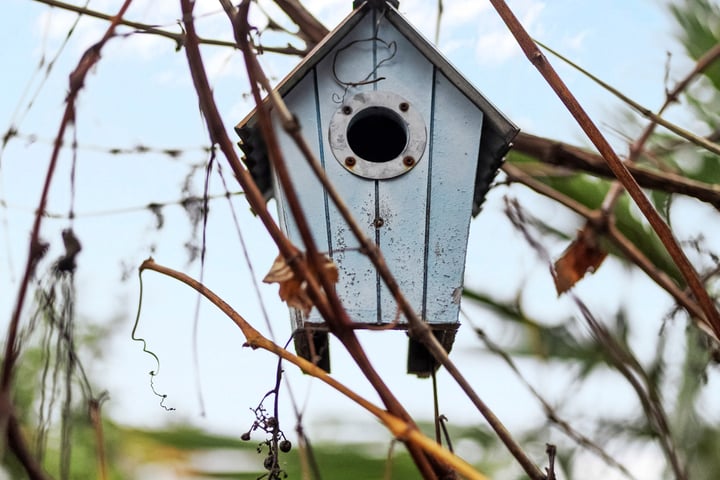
x,y
411,146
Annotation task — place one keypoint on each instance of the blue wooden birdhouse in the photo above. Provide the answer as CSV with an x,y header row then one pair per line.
x,y
411,146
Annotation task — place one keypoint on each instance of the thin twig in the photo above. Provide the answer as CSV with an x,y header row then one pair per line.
x,y
550,412
655,118
179,38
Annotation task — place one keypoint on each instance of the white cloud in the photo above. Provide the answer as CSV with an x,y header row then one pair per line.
x,y
459,13
495,43
576,41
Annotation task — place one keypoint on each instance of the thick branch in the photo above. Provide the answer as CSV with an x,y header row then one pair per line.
x,y
311,29
565,155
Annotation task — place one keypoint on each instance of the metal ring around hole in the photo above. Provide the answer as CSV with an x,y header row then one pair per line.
x,y
402,111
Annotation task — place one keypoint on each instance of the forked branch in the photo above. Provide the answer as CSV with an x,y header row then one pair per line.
x,y
401,429
712,318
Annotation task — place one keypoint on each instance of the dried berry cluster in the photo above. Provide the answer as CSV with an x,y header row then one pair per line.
x,y
275,442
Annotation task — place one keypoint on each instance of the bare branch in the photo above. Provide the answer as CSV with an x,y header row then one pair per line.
x,y
619,169
565,155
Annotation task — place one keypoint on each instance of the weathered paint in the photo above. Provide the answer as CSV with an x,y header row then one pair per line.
x,y
424,213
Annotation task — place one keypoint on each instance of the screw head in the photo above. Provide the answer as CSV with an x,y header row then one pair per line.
x,y
350,161
378,222
404,106
408,161
347,110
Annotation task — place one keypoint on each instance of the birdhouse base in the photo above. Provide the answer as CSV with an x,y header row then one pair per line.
x,y
420,361
312,344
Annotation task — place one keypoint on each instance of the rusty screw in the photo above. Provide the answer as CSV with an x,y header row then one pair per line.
x,y
379,222
347,110
408,161
404,106
350,161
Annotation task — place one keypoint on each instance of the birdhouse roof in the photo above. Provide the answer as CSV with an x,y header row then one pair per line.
x,y
497,130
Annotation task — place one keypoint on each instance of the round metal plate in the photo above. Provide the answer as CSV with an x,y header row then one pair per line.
x,y
380,152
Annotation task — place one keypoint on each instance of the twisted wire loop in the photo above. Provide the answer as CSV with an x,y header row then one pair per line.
x,y
390,47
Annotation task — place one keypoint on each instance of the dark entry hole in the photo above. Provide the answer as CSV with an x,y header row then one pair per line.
x,y
377,134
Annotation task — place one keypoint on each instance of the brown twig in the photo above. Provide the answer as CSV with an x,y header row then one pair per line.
x,y
401,429
311,29
95,412
710,57
655,118
671,97
621,172
179,38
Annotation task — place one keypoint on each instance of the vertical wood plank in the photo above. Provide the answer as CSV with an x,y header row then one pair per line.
x,y
357,285
302,104
456,130
402,200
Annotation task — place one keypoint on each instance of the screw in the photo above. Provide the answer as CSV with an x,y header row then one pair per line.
x,y
350,161
404,106
409,161
379,222
347,110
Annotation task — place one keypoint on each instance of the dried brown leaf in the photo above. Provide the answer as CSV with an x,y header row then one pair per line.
x,y
582,256
293,291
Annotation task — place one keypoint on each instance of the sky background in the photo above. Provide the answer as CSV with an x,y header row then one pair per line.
x,y
141,94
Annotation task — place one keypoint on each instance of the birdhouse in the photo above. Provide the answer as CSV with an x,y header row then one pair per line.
x,y
411,146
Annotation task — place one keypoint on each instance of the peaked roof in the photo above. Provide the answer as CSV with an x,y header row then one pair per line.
x,y
497,131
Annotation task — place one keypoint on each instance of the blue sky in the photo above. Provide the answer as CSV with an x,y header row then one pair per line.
x,y
141,94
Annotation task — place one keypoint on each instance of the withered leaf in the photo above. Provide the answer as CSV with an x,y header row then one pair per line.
x,y
583,255
293,291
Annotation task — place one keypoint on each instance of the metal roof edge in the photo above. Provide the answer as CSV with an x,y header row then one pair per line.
x,y
504,126
312,58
